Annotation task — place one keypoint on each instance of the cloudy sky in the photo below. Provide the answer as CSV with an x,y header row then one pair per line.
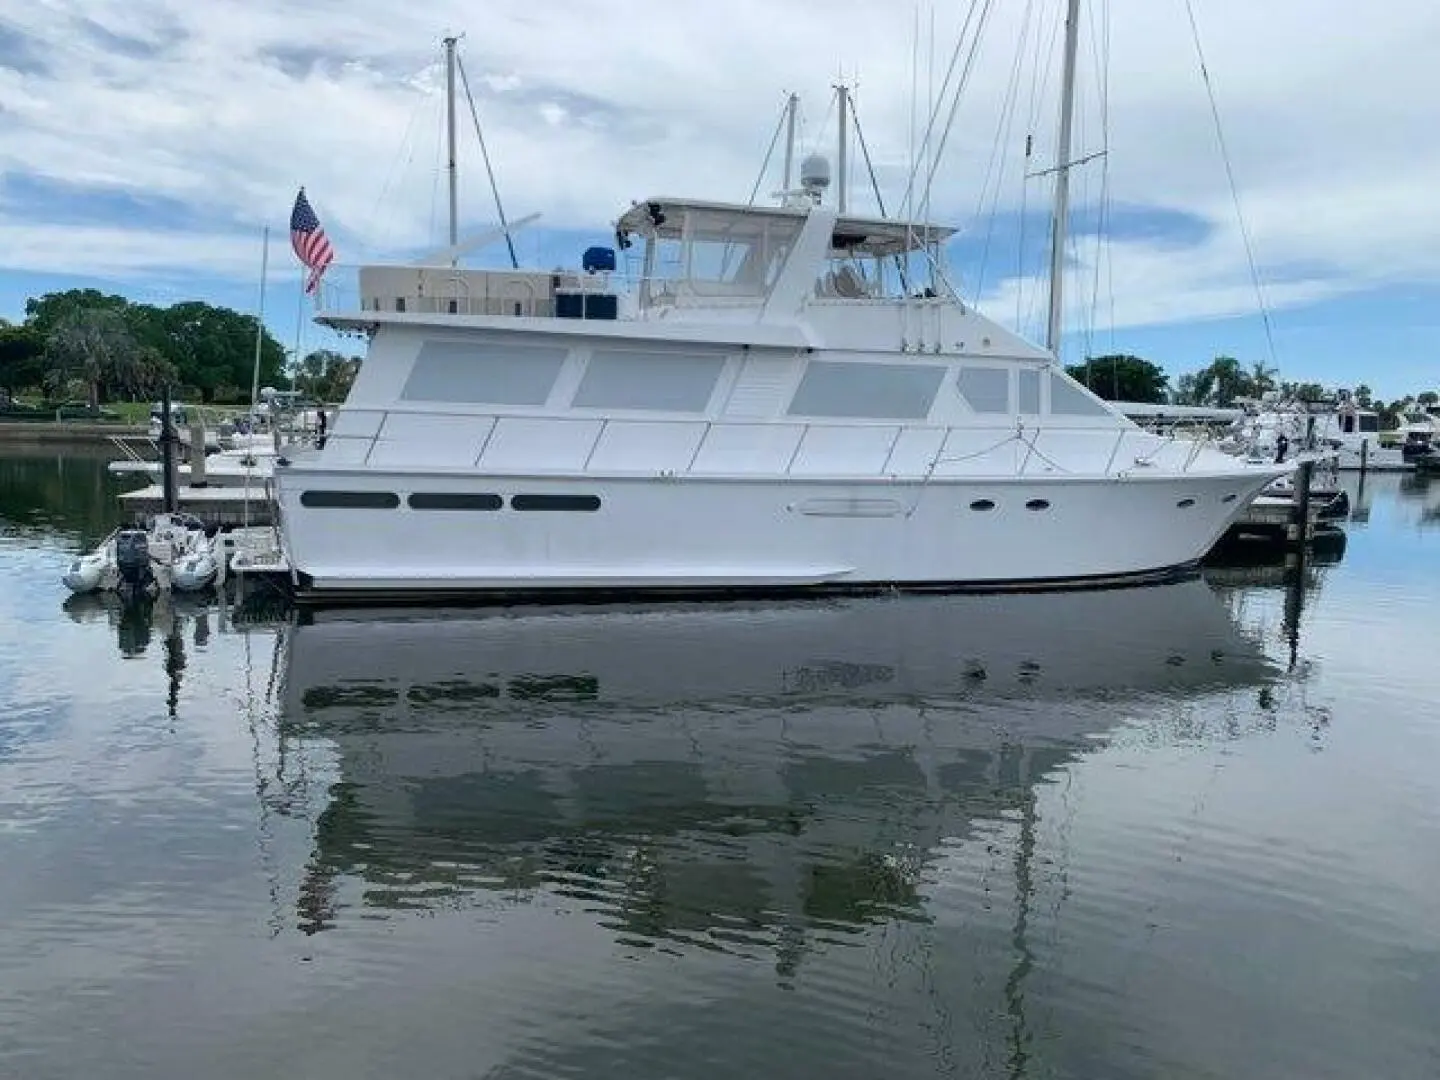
x,y
145,143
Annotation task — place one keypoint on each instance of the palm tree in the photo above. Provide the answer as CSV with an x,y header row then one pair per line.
x,y
1262,378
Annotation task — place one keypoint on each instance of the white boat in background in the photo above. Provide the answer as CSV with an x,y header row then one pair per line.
x,y
778,398
1351,432
226,468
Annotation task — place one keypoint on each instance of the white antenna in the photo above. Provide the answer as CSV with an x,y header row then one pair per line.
x,y
1062,183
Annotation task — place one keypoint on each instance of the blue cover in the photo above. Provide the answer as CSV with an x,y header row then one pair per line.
x,y
598,258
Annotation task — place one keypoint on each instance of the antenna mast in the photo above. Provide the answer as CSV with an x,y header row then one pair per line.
x,y
791,107
840,170
450,138
1063,163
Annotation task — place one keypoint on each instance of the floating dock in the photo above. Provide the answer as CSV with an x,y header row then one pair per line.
x,y
217,507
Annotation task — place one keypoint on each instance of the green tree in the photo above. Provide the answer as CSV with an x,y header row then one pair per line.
x,y
94,346
1262,378
22,358
1362,396
213,347
206,347
1122,378
44,314
1229,381
326,375
1429,397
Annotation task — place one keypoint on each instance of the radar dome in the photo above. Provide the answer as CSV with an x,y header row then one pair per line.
x,y
815,173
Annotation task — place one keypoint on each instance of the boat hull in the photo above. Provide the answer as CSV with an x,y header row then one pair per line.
x,y
720,536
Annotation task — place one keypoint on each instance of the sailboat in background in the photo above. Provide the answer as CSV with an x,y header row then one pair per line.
x,y
786,397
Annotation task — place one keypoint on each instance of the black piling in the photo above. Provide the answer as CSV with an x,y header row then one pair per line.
x,y
1300,513
169,475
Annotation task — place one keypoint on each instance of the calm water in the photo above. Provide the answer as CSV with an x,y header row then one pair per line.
x,y
1190,831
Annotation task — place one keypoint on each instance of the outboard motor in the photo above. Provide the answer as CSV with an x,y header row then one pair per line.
x,y
132,562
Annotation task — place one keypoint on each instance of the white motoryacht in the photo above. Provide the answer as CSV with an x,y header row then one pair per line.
x,y
761,398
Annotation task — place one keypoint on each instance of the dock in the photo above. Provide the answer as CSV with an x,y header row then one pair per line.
x,y
217,507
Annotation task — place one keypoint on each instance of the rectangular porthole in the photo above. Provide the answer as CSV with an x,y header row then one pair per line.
x,y
455,500
349,500
573,503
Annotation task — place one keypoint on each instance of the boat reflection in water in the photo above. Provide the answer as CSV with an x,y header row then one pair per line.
x,y
719,773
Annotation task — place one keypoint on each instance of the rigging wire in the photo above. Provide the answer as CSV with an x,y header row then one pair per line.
x,y
393,173
926,141
1100,43
1234,188
1045,49
770,151
875,185
958,93
485,156
998,159
439,168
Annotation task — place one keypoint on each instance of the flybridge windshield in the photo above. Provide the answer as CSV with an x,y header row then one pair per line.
x,y
717,252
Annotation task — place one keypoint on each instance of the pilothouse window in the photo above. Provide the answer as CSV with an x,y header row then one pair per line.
x,y
627,379
488,374
986,390
1068,399
867,391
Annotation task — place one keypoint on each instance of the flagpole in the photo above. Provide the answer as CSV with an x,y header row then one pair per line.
x,y
260,321
299,324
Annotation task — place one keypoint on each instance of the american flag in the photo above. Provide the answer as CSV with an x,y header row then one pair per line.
x,y
311,245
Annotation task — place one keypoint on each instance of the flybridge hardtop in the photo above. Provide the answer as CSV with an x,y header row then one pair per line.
x,y
667,218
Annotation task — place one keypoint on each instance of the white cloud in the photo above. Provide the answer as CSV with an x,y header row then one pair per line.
x,y
227,106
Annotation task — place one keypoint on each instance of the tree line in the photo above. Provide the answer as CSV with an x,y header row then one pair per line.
x,y
83,344
1221,384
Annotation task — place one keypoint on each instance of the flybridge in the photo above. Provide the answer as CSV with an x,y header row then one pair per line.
x,y
693,254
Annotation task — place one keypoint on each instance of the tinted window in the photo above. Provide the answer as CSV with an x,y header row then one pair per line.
x,y
986,390
454,500
874,391
1029,393
350,500
1068,399
484,374
555,502
618,379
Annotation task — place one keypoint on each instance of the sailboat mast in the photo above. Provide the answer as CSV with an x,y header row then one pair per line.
x,y
260,319
840,163
1061,221
450,138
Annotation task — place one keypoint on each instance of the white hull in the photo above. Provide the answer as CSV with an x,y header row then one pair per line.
x,y
695,535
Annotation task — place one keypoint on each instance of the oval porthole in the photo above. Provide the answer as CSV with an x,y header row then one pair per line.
x,y
1185,504
1038,504
983,504
1229,498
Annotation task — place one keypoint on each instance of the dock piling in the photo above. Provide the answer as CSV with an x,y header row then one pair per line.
x,y
168,438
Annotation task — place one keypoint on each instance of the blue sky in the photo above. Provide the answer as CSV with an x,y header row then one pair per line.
x,y
144,144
